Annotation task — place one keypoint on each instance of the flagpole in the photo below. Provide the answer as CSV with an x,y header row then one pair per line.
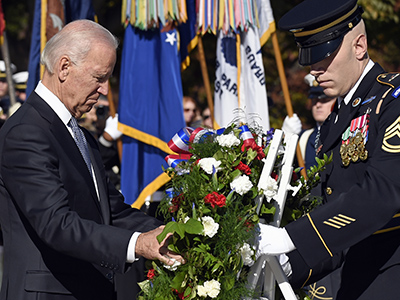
x,y
113,111
286,96
203,65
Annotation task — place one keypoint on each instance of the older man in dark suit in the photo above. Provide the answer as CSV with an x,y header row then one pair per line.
x,y
66,230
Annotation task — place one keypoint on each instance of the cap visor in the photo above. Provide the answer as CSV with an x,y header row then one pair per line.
x,y
314,54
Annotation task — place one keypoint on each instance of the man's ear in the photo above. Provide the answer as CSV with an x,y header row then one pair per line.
x,y
63,68
360,46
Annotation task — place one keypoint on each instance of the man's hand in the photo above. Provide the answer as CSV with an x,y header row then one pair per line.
x,y
292,125
274,240
148,247
111,131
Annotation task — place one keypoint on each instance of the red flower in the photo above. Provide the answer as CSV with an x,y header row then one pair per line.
x,y
175,203
255,147
151,273
244,168
249,224
294,176
181,296
215,199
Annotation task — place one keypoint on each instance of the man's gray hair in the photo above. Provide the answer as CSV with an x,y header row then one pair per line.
x,y
75,40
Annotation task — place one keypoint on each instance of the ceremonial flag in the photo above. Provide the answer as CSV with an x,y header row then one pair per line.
x,y
2,23
266,20
240,93
49,17
150,109
188,34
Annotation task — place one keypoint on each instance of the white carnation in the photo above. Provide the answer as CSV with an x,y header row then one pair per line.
x,y
212,287
247,254
210,227
201,291
228,140
174,266
207,164
241,184
269,188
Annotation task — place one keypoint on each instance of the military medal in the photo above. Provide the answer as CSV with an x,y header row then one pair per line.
x,y
356,102
354,140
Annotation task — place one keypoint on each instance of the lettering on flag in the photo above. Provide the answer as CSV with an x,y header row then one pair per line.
x,y
250,95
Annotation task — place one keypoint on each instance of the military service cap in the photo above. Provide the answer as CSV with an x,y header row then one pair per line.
x,y
3,69
319,26
20,80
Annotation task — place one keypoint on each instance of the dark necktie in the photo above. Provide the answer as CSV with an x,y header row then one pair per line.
x,y
81,142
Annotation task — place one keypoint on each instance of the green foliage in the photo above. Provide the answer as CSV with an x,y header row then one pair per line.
x,y
304,201
213,219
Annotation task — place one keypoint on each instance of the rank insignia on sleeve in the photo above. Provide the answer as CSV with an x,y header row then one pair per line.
x,y
391,139
339,221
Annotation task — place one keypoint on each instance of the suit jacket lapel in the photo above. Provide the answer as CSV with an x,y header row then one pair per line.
x,y
101,182
348,112
65,139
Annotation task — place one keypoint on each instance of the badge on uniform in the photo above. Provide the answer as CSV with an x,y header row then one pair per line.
x,y
354,140
391,139
396,92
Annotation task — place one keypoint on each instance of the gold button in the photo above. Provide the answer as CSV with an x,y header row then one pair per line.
x,y
328,190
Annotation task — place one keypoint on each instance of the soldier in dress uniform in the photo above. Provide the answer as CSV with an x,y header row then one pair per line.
x,y
321,106
358,224
4,89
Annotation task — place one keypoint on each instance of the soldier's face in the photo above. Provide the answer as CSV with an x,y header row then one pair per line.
x,y
338,73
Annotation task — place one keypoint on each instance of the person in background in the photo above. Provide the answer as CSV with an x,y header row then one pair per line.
x,y
20,81
66,229
4,89
206,118
357,227
321,107
191,112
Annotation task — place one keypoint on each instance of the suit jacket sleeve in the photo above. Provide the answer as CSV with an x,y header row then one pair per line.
x,y
46,184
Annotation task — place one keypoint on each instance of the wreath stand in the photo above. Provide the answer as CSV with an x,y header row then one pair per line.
x,y
267,269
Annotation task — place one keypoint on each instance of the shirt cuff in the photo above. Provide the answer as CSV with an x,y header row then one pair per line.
x,y
130,256
104,142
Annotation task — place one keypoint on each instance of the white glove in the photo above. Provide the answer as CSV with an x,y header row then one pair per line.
x,y
285,263
112,127
292,125
274,240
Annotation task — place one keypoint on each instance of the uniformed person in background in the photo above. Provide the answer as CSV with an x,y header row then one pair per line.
x,y
4,89
321,106
20,82
361,187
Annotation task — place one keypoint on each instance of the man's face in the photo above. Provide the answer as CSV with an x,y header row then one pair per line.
x,y
337,73
189,112
88,80
321,108
3,87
